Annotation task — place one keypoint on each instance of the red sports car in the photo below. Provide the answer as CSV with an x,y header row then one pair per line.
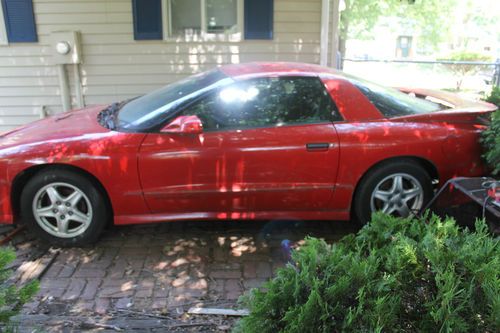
x,y
250,141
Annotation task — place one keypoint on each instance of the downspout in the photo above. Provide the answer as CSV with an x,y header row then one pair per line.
x,y
325,20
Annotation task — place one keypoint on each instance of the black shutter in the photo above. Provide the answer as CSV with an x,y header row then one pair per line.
x,y
147,19
259,19
19,21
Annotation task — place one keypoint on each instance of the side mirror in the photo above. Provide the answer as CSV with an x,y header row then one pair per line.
x,y
184,124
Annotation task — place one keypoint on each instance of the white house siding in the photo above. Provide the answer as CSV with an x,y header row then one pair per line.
x,y
116,67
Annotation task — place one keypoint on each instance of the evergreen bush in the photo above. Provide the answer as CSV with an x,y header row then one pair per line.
x,y
394,275
494,96
491,137
12,298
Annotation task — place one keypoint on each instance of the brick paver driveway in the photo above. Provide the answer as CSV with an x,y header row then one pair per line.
x,y
167,268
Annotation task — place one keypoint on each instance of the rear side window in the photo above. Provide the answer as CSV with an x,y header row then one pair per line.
x,y
393,103
266,102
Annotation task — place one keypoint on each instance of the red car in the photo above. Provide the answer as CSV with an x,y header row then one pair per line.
x,y
251,141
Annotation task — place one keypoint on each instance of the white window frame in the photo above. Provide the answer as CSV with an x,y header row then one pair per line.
x,y
4,40
236,36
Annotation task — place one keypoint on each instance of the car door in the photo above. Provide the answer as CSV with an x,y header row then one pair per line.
x,y
268,144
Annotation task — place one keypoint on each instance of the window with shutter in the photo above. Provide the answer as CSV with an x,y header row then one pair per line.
x,y
3,30
259,19
203,19
147,19
19,21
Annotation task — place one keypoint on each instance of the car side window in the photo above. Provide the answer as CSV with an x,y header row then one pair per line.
x,y
266,102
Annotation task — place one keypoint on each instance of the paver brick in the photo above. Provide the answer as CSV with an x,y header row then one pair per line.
x,y
51,292
53,270
160,291
143,293
220,254
83,306
74,290
99,265
229,274
145,288
89,273
91,288
127,283
55,283
116,292
253,283
249,269
233,286
165,266
264,270
124,303
102,305
159,303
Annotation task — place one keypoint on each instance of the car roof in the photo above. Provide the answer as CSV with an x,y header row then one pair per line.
x,y
275,68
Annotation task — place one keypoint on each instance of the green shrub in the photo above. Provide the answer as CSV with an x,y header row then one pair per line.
x,y
491,137
12,298
395,275
494,96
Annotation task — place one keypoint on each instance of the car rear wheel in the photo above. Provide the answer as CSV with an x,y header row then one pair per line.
x,y
63,208
399,188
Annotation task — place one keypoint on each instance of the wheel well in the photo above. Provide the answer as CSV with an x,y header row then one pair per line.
x,y
427,165
24,177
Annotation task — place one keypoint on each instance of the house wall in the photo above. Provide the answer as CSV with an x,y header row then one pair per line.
x,y
116,67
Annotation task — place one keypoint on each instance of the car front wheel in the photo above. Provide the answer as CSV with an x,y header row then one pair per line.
x,y
63,207
399,189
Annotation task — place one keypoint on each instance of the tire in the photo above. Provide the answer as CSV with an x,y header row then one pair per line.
x,y
379,190
64,208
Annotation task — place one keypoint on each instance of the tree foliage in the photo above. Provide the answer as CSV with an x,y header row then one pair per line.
x,y
395,275
435,21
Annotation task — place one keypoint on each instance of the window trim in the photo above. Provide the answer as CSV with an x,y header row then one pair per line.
x,y
237,36
4,40
249,128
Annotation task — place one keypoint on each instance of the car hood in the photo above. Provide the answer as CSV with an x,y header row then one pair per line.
x,y
57,127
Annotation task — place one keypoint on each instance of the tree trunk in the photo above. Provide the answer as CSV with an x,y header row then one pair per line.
x,y
342,50
344,31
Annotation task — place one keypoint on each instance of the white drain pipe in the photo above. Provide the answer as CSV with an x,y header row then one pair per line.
x,y
325,18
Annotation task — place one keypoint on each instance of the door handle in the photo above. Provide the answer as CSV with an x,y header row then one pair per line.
x,y
320,146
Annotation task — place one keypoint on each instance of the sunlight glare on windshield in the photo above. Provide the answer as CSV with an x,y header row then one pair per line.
x,y
231,95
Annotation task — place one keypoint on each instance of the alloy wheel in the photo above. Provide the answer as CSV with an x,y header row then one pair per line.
x,y
399,194
62,210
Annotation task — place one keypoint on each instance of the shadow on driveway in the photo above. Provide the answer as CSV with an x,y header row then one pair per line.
x,y
164,269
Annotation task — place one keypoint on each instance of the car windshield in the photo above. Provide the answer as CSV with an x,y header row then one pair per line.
x,y
391,102
153,109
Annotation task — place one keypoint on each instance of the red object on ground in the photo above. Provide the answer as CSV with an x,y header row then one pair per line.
x,y
252,173
494,192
